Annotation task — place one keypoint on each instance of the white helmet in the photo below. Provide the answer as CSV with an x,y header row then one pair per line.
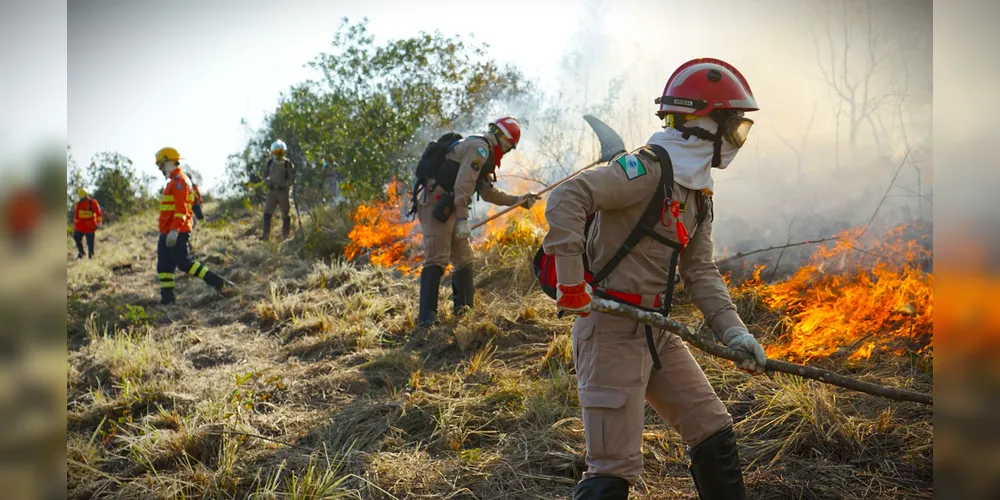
x,y
278,145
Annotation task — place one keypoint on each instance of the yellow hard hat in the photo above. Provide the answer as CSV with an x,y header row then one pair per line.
x,y
167,154
81,192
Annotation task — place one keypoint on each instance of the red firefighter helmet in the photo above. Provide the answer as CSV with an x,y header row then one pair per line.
x,y
510,128
701,86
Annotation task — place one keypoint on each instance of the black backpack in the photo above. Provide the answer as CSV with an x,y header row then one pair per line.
x,y
429,166
434,165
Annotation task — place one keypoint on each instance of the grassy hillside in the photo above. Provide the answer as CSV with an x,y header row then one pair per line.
x,y
314,384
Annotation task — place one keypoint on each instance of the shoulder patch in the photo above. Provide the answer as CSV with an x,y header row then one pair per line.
x,y
482,152
476,164
632,166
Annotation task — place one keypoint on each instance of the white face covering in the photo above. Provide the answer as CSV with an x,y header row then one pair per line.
x,y
167,167
692,157
727,152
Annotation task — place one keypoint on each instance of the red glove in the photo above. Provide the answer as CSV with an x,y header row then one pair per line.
x,y
574,299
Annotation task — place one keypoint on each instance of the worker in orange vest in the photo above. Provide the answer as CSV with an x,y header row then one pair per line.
x,y
173,248
196,207
22,211
87,219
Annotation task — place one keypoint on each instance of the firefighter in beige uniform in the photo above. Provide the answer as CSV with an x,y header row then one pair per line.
x,y
476,158
279,176
702,105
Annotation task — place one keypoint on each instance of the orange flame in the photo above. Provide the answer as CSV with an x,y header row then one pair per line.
x,y
518,227
379,228
855,302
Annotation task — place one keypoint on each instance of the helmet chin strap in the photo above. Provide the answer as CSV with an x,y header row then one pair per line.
x,y
715,139
703,134
498,151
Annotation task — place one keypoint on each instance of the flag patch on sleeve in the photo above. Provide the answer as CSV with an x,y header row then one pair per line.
x,y
632,166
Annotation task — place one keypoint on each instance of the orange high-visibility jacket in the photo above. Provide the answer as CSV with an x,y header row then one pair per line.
x,y
87,215
175,204
22,209
197,195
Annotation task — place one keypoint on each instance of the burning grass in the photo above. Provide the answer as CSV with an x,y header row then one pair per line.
x,y
379,230
387,240
315,383
855,303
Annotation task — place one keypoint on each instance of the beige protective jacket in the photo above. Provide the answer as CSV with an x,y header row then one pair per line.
x,y
471,153
619,193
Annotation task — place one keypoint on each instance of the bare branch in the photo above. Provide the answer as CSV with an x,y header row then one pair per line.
x,y
777,262
878,142
742,255
847,50
798,159
528,178
901,163
908,190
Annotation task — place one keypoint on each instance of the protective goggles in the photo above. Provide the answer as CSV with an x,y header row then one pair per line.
x,y
735,129
733,126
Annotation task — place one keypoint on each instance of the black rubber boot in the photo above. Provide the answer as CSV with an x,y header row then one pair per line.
x,y
430,280
463,289
267,226
286,226
214,280
715,466
167,296
602,488
221,285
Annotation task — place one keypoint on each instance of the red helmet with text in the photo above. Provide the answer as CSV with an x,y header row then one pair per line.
x,y
509,128
701,86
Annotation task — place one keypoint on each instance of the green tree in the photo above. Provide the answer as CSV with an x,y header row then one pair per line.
x,y
116,186
75,179
374,108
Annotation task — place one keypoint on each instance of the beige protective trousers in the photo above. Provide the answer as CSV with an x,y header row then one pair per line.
x,y
440,246
277,198
616,377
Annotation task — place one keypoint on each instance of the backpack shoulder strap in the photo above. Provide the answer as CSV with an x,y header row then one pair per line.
x,y
666,165
644,226
664,159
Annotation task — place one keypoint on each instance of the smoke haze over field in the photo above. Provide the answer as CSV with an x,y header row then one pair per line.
x,y
799,164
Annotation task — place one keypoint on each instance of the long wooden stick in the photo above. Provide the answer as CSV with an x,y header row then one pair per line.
x,y
547,189
688,334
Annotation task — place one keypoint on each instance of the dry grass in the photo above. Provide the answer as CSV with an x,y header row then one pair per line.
x,y
315,384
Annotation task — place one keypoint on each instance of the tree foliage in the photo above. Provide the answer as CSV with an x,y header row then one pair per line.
x,y
366,119
75,178
116,186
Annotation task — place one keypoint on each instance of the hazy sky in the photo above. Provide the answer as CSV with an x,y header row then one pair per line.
x,y
147,74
